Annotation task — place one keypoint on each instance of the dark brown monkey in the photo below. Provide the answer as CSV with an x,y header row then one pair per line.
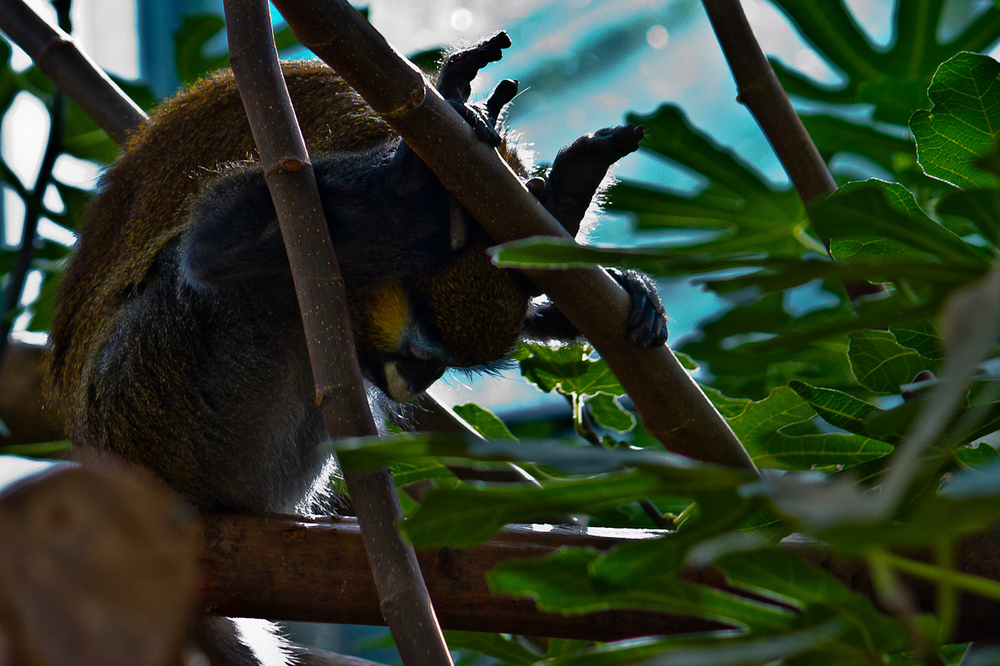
x,y
178,342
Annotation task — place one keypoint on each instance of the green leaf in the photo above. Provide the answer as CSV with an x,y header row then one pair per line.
x,y
718,513
964,122
920,336
504,647
977,454
762,428
82,138
754,374
748,215
831,29
781,575
606,411
561,583
981,207
718,649
420,469
876,210
189,47
373,452
839,409
967,502
485,422
464,517
881,364
569,370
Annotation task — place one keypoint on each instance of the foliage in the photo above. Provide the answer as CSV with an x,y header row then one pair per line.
x,y
820,396
896,390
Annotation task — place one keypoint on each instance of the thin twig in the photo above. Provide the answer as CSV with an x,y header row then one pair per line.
x,y
763,95
760,91
340,391
57,56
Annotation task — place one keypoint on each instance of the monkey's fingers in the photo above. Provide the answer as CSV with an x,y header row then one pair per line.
x,y
501,96
455,78
617,142
602,148
484,127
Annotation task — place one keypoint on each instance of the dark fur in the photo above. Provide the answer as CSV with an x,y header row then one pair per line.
x,y
178,343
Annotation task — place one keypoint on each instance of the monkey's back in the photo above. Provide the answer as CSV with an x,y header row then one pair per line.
x,y
142,199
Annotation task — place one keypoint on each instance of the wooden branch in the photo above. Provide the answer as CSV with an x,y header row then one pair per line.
x,y
670,403
340,391
763,95
314,570
760,91
57,56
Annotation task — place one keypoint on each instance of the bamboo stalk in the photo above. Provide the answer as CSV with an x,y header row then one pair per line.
x,y
340,391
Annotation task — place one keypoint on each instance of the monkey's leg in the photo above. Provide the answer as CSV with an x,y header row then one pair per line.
x,y
578,170
572,182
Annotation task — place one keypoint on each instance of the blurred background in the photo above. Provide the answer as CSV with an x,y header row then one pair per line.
x,y
582,65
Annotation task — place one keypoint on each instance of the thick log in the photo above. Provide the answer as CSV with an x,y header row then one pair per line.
x,y
96,568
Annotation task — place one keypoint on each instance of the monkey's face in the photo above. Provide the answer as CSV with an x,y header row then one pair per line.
x,y
467,314
397,352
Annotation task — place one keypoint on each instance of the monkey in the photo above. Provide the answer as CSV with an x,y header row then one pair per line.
x,y
177,343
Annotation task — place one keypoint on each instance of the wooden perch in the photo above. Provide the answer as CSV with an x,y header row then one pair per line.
x,y
315,570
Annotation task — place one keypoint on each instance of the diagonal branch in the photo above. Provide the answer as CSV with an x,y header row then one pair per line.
x,y
670,403
760,91
56,55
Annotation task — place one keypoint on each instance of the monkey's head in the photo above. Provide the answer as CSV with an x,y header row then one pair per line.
x,y
466,314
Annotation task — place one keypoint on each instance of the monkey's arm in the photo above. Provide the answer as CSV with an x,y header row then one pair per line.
x,y
646,325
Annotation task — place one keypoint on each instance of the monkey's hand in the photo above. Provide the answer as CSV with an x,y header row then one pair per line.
x,y
455,78
578,170
455,85
645,325
647,320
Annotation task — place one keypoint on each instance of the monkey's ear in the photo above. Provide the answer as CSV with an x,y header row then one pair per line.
x,y
409,175
232,232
